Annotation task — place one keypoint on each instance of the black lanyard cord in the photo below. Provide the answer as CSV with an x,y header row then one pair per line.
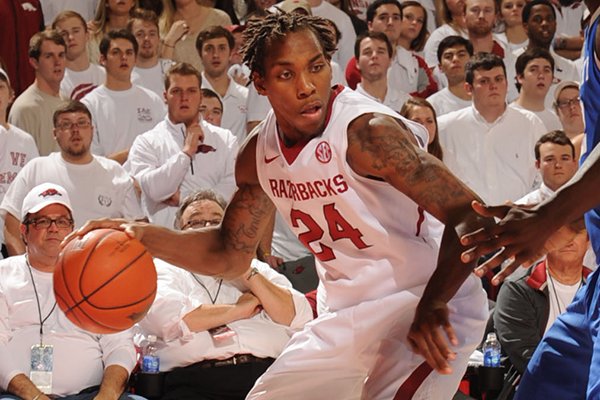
x,y
37,299
212,300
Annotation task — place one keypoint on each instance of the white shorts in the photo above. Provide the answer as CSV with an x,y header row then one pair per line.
x,y
361,352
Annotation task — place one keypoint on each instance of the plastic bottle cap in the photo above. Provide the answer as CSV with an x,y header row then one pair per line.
x,y
152,338
490,336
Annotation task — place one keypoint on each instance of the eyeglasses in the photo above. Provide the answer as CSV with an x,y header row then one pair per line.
x,y
44,223
563,105
201,223
68,125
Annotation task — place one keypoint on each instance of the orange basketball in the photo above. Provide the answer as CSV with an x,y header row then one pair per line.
x,y
105,281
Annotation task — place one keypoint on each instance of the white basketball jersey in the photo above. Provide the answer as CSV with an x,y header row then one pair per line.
x,y
369,239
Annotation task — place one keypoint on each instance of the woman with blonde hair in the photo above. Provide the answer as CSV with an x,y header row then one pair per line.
x,y
110,15
180,24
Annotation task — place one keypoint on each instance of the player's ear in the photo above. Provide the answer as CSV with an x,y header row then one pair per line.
x,y
259,83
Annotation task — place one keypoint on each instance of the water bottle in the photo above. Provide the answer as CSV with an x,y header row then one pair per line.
x,y
150,361
491,351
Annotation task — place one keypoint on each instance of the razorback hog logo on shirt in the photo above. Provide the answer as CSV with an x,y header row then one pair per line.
x,y
323,152
49,192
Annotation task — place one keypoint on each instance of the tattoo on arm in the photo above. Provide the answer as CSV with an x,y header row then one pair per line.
x,y
246,218
383,148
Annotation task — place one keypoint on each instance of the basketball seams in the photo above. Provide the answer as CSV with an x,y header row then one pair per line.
x,y
109,280
86,272
89,255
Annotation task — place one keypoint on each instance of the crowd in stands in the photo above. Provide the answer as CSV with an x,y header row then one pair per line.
x,y
137,108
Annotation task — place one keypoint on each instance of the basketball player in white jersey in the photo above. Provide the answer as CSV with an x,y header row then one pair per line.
x,y
352,179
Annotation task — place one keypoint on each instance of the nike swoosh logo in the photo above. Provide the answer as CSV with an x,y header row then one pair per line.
x,y
270,160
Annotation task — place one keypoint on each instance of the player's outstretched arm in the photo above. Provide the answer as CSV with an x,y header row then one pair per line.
x,y
379,146
224,251
526,234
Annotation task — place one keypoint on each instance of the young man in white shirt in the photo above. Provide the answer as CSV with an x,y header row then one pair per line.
x,y
81,76
535,73
149,70
214,46
99,187
556,162
374,53
183,152
121,110
489,146
453,54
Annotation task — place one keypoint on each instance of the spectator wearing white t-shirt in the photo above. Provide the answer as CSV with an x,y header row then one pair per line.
x,y
453,54
535,73
81,76
149,70
215,46
121,110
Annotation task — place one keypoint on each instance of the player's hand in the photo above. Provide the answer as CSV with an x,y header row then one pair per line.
x,y
247,305
193,136
521,236
431,334
132,229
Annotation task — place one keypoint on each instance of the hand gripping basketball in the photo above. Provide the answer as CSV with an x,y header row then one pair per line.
x,y
105,281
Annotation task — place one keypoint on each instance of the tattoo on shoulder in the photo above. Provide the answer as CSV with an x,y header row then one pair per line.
x,y
386,148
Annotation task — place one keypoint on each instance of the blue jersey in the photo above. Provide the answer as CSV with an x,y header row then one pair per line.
x,y
590,91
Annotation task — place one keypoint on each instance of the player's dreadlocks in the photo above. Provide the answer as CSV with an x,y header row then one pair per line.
x,y
260,34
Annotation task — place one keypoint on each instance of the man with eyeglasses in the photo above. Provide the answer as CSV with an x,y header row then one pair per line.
x,y
43,354
99,186
219,336
567,105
